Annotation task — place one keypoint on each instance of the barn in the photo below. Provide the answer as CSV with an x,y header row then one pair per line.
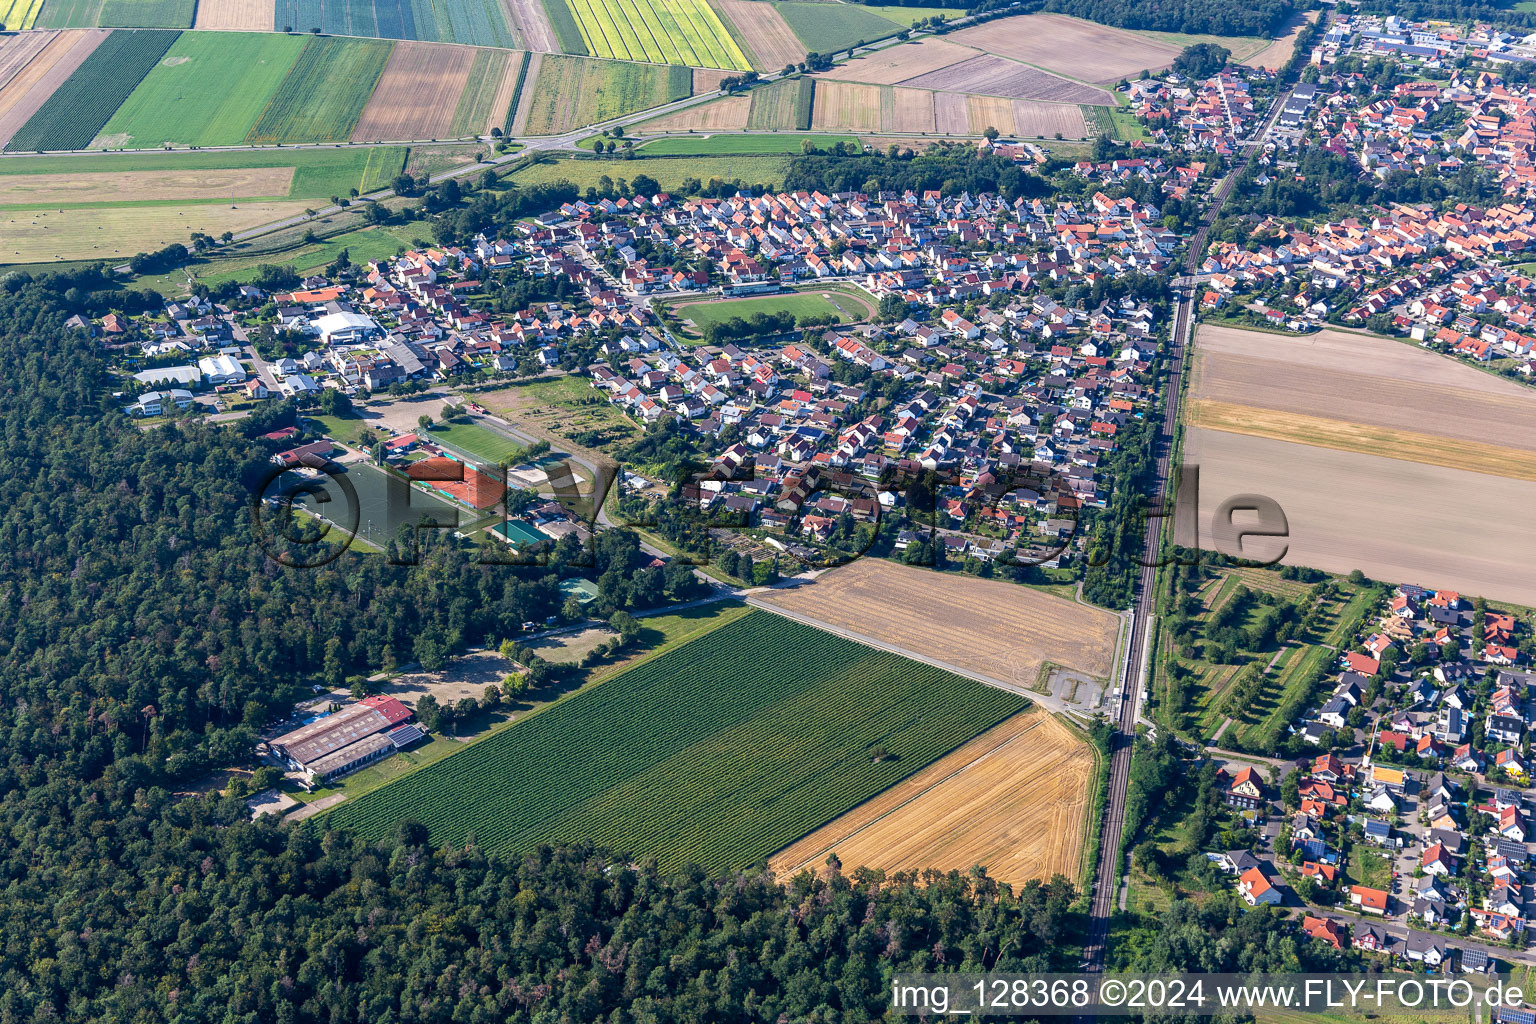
x,y
349,739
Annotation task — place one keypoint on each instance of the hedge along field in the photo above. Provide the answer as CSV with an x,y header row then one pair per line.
x,y
658,31
77,109
208,90
716,753
575,91
323,94
478,22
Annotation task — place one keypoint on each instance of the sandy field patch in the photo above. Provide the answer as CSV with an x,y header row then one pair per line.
x,y
1078,49
235,15
1404,445
914,111
1402,522
1362,379
726,114
40,236
467,676
1001,630
129,186
900,62
769,38
418,93
952,114
525,102
1013,799
531,22
998,76
30,87
1044,120
847,106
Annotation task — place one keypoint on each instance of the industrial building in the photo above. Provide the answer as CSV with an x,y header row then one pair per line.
x,y
349,739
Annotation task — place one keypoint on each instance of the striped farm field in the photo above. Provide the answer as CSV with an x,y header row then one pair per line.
x,y
574,91
717,752
16,15
207,90
769,40
323,94
488,94
824,27
147,13
848,106
784,105
418,94
70,14
84,102
656,31
234,15
475,22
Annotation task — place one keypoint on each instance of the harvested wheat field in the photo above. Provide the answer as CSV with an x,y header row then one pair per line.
x,y
235,15
17,51
1014,799
900,62
1398,521
42,236
990,112
848,106
1078,49
1044,120
770,40
30,87
913,111
136,186
952,114
999,630
726,114
708,80
1357,378
997,76
418,93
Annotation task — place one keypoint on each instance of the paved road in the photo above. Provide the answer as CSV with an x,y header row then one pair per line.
x,y
1107,877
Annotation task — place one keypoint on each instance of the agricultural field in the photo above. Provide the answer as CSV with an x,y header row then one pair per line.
x,y
751,170
475,22
685,32
115,232
147,13
1077,49
77,109
18,15
33,66
998,76
418,93
847,106
323,94
1001,630
207,90
22,190
69,14
901,62
1014,799
719,145
433,160
727,114
843,304
1353,432
179,176
825,27
530,21
719,752
234,15
487,99
575,91
770,42
782,105
1277,53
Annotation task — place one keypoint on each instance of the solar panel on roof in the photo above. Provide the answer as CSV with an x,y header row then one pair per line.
x,y
1508,1015
405,735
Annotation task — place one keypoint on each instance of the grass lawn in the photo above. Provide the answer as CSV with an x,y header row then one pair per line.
x,y
670,174
340,428
1368,868
482,443
727,143
712,310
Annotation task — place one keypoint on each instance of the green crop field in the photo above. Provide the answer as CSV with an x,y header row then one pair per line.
x,y
79,107
826,27
718,752
573,91
69,14
659,31
784,105
147,13
477,22
479,93
726,144
320,98
669,173
208,90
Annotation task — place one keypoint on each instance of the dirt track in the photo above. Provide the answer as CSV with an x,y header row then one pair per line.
x,y
1014,799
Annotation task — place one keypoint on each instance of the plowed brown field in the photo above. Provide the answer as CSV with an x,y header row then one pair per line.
x,y
1044,120
727,114
1000,630
899,63
1013,799
418,93
1078,49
